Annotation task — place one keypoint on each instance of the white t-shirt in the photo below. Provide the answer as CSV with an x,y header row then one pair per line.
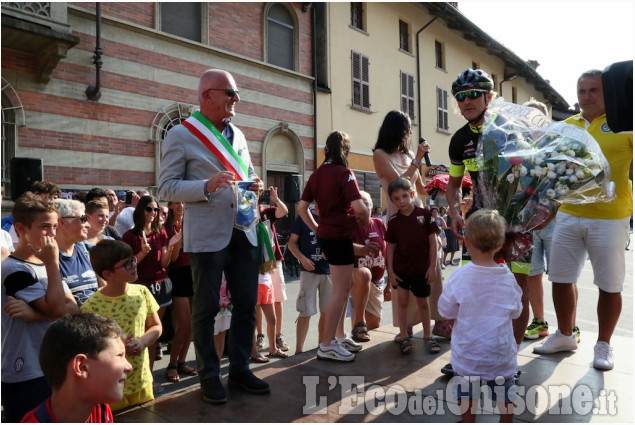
x,y
6,240
125,221
483,300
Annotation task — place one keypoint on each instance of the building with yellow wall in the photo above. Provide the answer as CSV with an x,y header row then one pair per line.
x,y
376,57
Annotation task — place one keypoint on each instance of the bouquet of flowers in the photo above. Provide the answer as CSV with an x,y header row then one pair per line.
x,y
530,165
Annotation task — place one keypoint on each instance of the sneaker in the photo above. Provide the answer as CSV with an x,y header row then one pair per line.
x,y
556,342
537,329
213,391
349,344
603,358
281,343
517,376
260,341
334,352
448,370
248,382
576,332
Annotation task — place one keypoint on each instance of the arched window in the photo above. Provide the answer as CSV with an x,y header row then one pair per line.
x,y
280,29
12,118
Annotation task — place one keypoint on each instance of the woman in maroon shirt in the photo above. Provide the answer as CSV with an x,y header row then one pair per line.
x,y
154,252
334,189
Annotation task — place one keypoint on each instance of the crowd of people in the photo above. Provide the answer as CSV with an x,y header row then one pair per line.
x,y
89,280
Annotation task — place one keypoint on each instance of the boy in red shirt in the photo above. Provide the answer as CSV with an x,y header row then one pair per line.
x,y
411,258
83,360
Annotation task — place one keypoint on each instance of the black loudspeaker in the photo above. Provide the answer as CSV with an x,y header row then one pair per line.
x,y
24,171
617,84
292,188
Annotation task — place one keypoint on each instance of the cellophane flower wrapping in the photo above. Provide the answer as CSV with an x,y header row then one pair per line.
x,y
530,165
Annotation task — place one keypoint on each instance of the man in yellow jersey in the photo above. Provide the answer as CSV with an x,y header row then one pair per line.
x,y
473,91
601,229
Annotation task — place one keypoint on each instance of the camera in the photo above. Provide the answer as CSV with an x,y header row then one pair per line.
x,y
128,197
265,198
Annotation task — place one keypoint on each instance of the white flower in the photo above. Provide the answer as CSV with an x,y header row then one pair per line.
x,y
510,177
569,171
523,145
571,152
579,174
562,168
551,167
538,160
551,175
551,193
544,201
532,172
523,170
573,179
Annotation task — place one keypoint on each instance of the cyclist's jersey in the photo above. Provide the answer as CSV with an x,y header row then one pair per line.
x,y
462,152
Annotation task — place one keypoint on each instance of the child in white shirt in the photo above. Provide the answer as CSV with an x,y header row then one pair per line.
x,y
483,355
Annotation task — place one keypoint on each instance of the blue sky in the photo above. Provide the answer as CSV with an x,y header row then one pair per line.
x,y
565,37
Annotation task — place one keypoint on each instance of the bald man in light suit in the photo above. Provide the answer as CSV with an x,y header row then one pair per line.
x,y
192,173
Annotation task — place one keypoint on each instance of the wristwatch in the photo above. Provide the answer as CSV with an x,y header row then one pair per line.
x,y
416,162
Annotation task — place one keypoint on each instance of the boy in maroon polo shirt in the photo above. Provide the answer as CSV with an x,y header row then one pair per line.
x,y
411,258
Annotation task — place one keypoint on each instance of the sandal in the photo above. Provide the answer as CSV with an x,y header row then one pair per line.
x,y
259,359
433,346
360,332
405,346
278,353
185,369
157,388
174,376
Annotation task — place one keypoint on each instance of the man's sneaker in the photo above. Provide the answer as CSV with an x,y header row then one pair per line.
x,y
349,344
576,332
517,376
555,343
448,370
334,352
537,329
281,343
248,382
260,341
603,358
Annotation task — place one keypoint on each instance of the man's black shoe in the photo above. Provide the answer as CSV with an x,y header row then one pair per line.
x,y
213,391
247,381
448,370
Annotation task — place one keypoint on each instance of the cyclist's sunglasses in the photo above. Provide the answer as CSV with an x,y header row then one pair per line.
x,y
470,94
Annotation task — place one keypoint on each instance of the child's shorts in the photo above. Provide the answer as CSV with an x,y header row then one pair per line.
x,y
134,399
417,284
496,388
265,291
162,292
312,284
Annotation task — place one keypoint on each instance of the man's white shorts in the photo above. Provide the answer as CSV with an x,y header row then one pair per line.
x,y
310,283
605,242
279,285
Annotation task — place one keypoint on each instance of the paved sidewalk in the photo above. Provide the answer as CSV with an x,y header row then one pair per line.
x,y
305,389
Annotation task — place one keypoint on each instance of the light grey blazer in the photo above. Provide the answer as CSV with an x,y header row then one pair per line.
x,y
186,165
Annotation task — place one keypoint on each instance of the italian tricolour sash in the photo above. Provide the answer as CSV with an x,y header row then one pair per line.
x,y
204,130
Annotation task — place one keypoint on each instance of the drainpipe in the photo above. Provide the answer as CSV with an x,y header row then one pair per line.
x,y
93,92
419,66
314,44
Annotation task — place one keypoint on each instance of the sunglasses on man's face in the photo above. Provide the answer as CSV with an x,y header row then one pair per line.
x,y
229,92
150,209
470,94
82,218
